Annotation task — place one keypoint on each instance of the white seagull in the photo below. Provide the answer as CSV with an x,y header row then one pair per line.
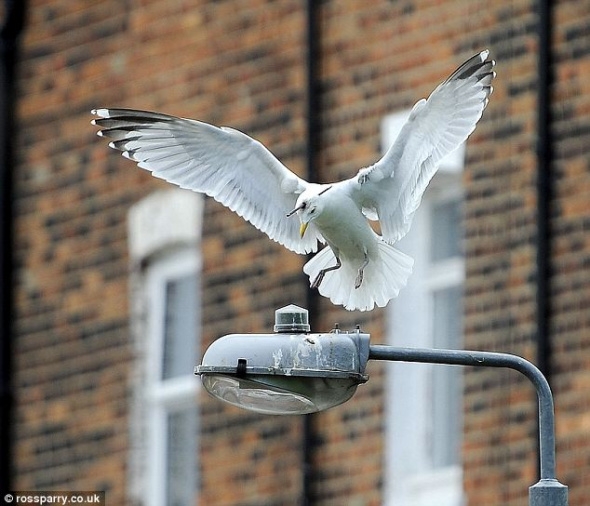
x,y
359,268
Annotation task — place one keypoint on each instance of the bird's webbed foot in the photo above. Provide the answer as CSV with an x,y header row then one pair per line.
x,y
359,277
320,277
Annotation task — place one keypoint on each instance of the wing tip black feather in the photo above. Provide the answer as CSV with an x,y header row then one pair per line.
x,y
479,65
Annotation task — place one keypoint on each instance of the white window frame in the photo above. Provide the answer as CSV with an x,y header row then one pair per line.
x,y
165,396
411,479
164,244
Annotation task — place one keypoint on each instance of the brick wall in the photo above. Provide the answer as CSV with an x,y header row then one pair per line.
x,y
404,51
500,407
571,251
203,60
242,63
71,347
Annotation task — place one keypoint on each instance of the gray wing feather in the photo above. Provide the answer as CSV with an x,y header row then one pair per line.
x,y
223,163
393,187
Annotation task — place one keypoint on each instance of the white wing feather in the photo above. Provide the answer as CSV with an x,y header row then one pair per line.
x,y
393,187
223,163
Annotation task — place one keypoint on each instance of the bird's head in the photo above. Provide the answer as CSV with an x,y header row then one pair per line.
x,y
309,206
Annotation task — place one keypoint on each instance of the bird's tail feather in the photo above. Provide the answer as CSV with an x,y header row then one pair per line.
x,y
382,281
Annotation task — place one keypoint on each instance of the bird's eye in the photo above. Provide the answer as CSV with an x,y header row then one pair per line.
x,y
311,211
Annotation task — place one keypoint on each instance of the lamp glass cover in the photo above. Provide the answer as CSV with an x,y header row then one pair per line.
x,y
255,396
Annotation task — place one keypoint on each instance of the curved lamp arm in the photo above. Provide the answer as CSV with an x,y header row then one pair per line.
x,y
548,491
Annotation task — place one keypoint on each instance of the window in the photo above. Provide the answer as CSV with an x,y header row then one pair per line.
x,y
424,406
164,232
173,321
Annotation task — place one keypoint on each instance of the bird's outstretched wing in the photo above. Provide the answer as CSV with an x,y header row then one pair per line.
x,y
393,187
223,163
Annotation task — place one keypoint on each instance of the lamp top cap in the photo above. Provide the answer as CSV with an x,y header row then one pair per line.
x,y
292,318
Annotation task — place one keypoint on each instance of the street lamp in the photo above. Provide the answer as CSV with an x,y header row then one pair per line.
x,y
289,372
294,371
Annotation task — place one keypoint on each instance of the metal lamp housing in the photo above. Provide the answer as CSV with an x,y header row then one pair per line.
x,y
289,372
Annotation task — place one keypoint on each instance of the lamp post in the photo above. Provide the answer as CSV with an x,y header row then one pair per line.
x,y
294,372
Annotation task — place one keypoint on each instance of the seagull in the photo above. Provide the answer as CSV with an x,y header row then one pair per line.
x,y
358,268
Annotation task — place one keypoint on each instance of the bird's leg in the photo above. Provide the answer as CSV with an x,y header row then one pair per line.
x,y
359,278
320,277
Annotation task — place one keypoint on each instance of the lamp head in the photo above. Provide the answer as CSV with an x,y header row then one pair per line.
x,y
289,372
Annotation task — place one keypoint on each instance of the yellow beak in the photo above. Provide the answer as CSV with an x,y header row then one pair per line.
x,y
302,229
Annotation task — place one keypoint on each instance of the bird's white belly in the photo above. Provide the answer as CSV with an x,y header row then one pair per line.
x,y
350,236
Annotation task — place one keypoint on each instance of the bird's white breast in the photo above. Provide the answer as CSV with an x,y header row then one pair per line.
x,y
344,226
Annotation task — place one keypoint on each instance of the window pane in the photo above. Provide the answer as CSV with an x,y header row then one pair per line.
x,y
181,327
447,314
447,384
181,460
445,230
